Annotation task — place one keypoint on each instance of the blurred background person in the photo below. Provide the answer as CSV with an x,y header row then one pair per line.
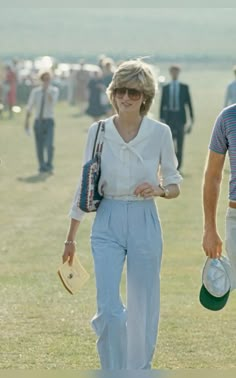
x,y
95,107
230,96
175,100
1,100
1,88
82,80
16,67
108,69
43,98
71,87
101,59
10,87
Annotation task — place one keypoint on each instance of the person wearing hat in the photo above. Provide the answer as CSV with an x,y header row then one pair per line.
x,y
230,96
43,98
175,100
223,140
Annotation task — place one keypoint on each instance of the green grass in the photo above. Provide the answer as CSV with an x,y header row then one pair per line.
x,y
42,326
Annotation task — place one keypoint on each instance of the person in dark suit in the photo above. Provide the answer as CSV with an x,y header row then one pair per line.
x,y
175,100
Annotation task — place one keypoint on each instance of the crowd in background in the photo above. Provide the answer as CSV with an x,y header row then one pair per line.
x,y
81,84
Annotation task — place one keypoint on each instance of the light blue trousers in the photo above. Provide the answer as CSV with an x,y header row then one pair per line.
x,y
127,230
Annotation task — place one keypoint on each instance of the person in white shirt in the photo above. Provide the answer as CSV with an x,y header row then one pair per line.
x,y
138,164
43,98
230,96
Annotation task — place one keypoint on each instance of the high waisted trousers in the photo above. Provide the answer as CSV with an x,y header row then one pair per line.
x,y
127,230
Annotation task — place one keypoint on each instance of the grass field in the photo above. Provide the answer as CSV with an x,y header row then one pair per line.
x,y
42,326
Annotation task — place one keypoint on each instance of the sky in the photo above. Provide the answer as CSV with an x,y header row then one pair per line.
x,y
154,31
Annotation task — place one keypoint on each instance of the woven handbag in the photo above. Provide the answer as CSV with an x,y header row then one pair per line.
x,y
90,197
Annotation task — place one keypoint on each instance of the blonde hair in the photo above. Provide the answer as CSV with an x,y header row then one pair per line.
x,y
134,74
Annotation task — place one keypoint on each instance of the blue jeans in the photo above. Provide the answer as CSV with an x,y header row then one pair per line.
x,y
127,230
44,134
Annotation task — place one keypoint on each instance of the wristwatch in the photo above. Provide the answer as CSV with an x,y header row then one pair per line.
x,y
165,190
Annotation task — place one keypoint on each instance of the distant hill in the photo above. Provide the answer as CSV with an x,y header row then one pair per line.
x,y
163,32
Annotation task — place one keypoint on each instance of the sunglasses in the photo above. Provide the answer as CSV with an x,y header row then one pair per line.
x,y
133,94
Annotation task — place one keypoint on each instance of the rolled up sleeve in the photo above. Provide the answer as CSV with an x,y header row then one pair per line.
x,y
168,166
219,142
75,211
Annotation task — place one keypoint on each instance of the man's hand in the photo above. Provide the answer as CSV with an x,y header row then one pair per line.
x,y
27,126
212,244
188,128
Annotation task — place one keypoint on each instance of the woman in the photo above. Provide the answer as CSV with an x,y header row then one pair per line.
x,y
11,84
126,225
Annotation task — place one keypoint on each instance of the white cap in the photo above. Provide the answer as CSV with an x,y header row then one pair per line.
x,y
217,276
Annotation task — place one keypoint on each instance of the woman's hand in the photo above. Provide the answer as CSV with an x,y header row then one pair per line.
x,y
70,242
69,252
147,190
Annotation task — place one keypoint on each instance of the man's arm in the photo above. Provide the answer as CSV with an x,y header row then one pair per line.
x,y
163,104
189,103
190,108
212,243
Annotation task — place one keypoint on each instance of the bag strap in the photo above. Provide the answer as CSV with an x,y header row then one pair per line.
x,y
99,139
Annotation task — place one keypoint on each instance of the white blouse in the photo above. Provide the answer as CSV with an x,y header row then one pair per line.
x,y
149,157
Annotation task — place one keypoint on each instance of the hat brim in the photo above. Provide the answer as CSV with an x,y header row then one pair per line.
x,y
210,301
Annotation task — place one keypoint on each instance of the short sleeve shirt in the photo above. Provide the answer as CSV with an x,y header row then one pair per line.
x,y
223,140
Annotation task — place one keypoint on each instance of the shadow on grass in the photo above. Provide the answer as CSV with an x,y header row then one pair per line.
x,y
40,177
78,115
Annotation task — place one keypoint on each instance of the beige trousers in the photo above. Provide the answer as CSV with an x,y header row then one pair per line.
x,y
230,242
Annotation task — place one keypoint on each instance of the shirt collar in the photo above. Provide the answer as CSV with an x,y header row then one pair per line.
x,y
112,133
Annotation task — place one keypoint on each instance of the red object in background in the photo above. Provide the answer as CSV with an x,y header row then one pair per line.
x,y
11,80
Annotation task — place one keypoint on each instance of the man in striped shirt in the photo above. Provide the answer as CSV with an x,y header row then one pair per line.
x,y
223,140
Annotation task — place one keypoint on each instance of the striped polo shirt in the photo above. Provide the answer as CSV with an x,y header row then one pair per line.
x,y
223,139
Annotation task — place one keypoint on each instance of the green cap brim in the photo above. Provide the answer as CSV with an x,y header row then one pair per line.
x,y
210,302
